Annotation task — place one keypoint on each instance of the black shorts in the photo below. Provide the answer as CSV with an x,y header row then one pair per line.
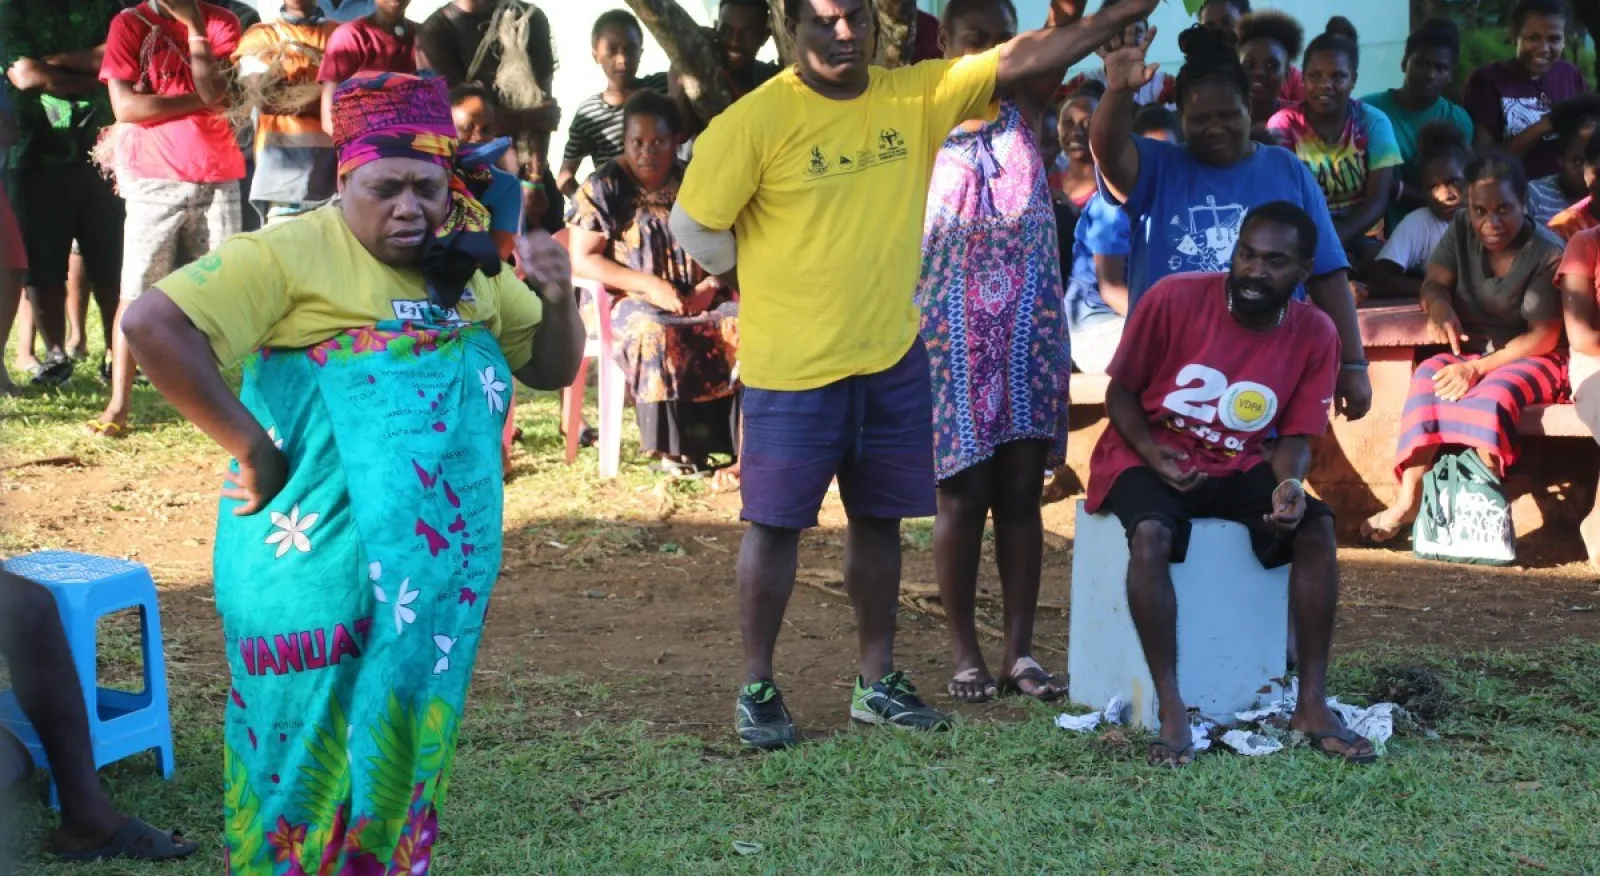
x,y
58,205
1139,494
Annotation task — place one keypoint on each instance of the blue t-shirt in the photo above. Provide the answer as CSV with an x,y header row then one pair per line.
x,y
1102,230
1185,215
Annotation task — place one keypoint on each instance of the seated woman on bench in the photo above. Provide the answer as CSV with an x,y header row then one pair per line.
x,y
1490,294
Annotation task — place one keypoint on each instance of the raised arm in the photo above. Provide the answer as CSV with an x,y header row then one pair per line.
x,y
210,75
1111,128
1035,95
559,340
1038,54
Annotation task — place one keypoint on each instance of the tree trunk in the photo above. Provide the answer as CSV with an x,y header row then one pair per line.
x,y
690,49
897,32
780,34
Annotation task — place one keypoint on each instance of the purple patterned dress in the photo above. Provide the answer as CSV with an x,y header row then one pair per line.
x,y
991,297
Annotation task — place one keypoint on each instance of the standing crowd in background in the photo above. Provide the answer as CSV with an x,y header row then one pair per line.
x,y
876,281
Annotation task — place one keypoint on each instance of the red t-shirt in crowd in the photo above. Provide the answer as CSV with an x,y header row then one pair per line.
x,y
1212,388
362,45
199,147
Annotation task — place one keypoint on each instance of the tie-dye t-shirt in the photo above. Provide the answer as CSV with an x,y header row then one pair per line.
x,y
1367,144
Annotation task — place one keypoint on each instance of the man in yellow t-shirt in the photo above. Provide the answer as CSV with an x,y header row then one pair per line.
x,y
822,175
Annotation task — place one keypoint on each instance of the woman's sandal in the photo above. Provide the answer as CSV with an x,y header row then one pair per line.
x,y
103,429
971,686
1174,757
1047,689
1350,738
138,841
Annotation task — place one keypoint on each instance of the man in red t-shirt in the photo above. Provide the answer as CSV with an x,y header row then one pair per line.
x,y
383,42
1210,366
177,160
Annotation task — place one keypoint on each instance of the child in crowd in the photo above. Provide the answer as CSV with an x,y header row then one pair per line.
x,y
1429,65
383,41
1159,91
1574,122
296,168
1356,168
1075,182
1225,17
596,130
178,165
1584,214
1442,156
1269,43
1510,101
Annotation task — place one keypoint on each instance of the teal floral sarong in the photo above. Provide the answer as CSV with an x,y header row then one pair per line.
x,y
352,605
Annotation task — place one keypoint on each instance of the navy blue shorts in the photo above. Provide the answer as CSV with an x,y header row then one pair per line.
x,y
874,432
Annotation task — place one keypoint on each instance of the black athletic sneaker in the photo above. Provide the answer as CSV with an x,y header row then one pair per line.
x,y
761,718
893,701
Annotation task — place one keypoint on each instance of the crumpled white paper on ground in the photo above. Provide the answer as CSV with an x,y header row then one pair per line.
x,y
1375,722
1252,738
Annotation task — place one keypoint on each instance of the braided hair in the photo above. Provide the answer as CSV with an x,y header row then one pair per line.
x,y
1208,58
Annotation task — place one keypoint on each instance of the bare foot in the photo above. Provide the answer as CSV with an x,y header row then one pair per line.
x,y
1589,529
1063,483
1386,524
971,685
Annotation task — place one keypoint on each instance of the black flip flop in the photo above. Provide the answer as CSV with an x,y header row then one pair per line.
x,y
1045,681
51,372
1178,754
1349,738
136,841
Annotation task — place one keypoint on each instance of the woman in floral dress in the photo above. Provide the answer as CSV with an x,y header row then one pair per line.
x,y
676,328
359,536
993,324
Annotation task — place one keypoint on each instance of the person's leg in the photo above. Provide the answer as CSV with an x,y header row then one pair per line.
x,y
100,241
50,694
10,298
1019,552
155,225
27,337
872,578
964,500
1155,517
77,344
1584,374
46,209
1313,600
768,559
1419,444
1386,524
793,443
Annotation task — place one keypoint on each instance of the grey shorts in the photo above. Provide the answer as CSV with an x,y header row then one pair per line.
x,y
167,218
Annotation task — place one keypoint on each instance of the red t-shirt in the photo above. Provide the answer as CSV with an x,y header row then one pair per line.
x,y
1212,388
199,147
361,45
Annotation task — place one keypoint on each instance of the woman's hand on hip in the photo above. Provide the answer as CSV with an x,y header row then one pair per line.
x,y
262,473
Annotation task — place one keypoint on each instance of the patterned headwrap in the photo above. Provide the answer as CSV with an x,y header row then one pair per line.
x,y
395,115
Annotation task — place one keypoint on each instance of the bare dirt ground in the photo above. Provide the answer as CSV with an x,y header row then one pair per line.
x,y
648,606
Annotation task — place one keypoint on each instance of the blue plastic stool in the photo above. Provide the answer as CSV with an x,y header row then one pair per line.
x,y
121,724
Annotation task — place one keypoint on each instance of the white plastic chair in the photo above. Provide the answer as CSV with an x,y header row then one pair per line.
x,y
613,389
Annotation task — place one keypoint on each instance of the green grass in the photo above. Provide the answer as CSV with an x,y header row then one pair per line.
x,y
1513,781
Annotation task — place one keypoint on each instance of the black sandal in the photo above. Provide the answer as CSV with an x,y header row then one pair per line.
x,y
137,841
1351,739
1047,690
1175,756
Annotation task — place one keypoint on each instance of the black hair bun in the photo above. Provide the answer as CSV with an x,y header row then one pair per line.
x,y
1205,47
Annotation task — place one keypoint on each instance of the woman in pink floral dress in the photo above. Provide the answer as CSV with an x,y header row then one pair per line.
x,y
993,324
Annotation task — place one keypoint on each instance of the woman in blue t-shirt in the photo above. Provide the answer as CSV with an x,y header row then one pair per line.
x,y
1186,203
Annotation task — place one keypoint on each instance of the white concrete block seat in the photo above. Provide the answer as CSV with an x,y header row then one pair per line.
x,y
1233,621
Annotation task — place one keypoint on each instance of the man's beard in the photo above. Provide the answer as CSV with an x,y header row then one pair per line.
x,y
1271,302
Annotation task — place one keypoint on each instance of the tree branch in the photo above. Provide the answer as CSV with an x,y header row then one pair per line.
x,y
691,51
780,34
897,32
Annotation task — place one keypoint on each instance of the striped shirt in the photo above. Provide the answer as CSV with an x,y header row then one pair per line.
x,y
596,130
1545,199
